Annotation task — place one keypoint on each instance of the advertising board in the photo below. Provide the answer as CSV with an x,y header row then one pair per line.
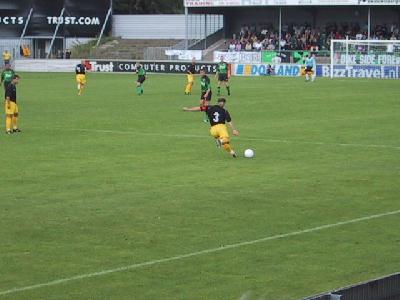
x,y
371,71
247,3
109,66
367,59
173,67
176,67
237,57
287,70
80,18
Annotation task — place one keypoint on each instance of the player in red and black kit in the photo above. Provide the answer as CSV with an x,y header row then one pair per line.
x,y
218,117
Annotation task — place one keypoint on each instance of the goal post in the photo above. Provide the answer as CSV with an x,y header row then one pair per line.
x,y
352,57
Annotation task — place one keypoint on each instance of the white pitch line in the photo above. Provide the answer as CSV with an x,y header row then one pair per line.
x,y
238,138
193,254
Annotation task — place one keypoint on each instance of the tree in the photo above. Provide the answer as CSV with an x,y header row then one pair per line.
x,y
148,6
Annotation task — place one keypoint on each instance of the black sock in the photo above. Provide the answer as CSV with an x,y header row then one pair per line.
x,y
228,89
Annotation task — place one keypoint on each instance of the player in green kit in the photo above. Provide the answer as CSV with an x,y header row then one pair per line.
x,y
7,76
222,75
206,93
141,72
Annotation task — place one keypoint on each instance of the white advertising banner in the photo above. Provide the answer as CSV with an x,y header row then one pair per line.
x,y
45,65
367,59
237,57
379,2
185,54
244,3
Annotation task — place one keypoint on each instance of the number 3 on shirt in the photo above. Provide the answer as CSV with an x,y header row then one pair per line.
x,y
216,117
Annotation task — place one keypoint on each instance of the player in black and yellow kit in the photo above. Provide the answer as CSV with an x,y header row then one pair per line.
x,y
222,75
218,117
80,72
11,107
190,78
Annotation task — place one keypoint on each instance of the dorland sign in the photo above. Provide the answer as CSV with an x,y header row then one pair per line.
x,y
241,3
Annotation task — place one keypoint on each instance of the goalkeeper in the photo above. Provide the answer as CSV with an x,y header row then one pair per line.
x,y
311,67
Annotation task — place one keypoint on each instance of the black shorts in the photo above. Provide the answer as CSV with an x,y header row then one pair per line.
x,y
141,79
222,77
308,69
208,98
6,62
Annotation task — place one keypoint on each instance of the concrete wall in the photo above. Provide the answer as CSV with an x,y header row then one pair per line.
x,y
163,26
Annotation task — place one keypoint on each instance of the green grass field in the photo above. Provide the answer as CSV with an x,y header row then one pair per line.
x,y
118,196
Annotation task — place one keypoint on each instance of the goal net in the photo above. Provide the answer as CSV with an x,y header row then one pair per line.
x,y
365,58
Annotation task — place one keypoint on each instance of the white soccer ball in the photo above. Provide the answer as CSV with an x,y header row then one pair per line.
x,y
248,153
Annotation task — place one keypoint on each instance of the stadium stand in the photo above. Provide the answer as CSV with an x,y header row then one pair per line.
x,y
306,37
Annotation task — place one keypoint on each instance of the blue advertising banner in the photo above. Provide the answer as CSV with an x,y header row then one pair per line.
x,y
287,70
341,71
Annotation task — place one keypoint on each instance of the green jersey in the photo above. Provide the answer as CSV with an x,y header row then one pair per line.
x,y
141,72
7,75
222,68
205,83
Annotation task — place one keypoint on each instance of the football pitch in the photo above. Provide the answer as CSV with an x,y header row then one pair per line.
x,y
117,196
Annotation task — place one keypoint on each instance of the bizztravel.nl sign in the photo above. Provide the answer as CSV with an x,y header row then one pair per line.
x,y
149,66
383,72
288,70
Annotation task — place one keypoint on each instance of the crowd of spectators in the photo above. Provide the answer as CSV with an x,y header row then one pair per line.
x,y
305,37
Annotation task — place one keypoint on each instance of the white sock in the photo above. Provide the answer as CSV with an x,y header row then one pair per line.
x,y
79,86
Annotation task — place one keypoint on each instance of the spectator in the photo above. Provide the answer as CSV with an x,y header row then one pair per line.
x,y
68,54
248,46
232,46
60,54
238,46
257,46
26,51
271,46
